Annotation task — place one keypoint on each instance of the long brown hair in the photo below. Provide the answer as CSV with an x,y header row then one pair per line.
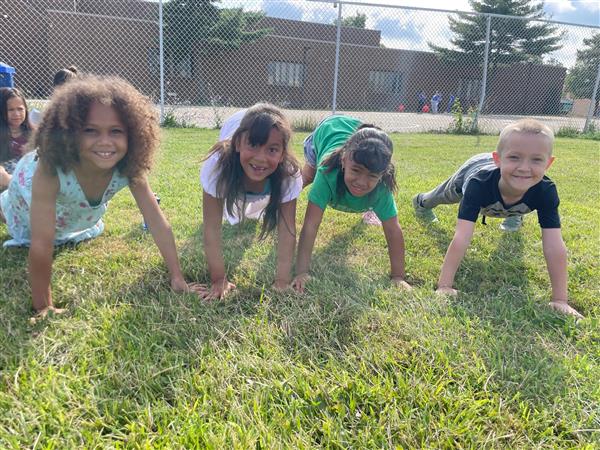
x,y
26,128
258,121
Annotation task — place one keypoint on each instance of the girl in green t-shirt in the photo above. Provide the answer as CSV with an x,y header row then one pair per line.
x,y
350,167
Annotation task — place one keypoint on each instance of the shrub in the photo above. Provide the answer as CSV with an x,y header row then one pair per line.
x,y
305,123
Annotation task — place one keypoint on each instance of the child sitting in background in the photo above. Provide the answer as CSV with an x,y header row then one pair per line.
x,y
351,165
509,183
15,131
251,173
64,75
97,136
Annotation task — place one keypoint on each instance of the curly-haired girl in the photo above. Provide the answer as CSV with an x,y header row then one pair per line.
x,y
97,136
351,165
251,173
15,131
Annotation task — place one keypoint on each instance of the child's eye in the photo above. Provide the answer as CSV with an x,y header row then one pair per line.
x,y
117,131
89,130
274,150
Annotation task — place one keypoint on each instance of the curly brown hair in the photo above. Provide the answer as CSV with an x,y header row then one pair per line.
x,y
57,139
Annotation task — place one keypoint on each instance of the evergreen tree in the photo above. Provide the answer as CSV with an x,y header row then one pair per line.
x,y
511,40
581,79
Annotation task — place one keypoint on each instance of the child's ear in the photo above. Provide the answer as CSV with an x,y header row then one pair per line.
x,y
496,157
550,161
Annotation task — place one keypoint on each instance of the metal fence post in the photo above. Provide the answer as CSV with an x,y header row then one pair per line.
x,y
485,69
592,108
161,61
337,58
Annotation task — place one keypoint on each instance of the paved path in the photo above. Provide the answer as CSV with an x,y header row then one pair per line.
x,y
207,117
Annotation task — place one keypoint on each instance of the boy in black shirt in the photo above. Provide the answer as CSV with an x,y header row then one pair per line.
x,y
509,183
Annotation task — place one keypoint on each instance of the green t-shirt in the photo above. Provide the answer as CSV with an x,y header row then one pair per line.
x,y
330,135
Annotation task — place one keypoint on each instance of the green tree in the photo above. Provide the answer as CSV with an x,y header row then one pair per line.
x,y
190,22
580,80
357,21
511,40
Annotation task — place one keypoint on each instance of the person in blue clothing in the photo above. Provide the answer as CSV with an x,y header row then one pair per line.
x,y
422,100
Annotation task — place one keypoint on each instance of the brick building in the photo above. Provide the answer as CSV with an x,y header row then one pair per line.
x,y
293,65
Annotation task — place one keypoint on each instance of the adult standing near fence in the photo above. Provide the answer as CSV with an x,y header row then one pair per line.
x,y
435,102
422,99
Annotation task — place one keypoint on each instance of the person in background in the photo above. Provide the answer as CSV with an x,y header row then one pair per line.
x,y
15,130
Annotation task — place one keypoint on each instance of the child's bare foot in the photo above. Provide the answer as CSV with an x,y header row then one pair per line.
x,y
564,308
41,315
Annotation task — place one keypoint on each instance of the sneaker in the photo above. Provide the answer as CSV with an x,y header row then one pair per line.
x,y
370,218
513,223
425,214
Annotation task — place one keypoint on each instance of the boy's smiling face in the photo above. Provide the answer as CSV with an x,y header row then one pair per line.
x,y
523,162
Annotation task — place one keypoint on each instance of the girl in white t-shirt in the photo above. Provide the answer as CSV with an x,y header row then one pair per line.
x,y
251,174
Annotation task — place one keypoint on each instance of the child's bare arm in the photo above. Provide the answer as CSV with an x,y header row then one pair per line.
x,y
212,213
161,233
555,254
43,222
312,221
395,243
454,255
5,177
286,244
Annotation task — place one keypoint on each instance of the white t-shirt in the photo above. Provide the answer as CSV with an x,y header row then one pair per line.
x,y
231,124
255,203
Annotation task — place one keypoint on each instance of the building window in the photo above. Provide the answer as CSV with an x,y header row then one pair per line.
x,y
385,82
285,74
182,69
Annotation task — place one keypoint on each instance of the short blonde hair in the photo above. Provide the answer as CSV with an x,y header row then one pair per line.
x,y
524,126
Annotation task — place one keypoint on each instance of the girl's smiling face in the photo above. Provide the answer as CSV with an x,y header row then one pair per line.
x,y
103,139
358,179
260,160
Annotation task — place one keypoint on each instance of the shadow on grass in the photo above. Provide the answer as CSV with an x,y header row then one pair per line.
x,y
152,328
497,295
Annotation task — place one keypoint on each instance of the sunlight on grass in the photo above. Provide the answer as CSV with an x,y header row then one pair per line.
x,y
354,363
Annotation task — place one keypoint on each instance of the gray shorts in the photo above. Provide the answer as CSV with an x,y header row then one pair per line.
x,y
451,190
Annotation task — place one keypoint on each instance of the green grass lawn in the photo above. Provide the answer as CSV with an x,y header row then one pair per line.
x,y
354,363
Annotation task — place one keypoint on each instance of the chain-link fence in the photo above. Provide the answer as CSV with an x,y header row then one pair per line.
x,y
404,69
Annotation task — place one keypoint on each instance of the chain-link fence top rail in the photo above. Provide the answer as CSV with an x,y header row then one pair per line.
x,y
405,69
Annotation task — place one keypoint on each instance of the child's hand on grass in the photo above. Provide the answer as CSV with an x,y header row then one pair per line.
x,y
217,290
564,308
180,285
447,290
401,283
43,313
299,282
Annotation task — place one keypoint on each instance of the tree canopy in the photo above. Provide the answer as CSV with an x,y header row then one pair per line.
x,y
357,21
188,22
580,80
511,40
